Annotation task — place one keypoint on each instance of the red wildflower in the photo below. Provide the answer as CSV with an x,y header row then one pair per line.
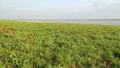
x,y
107,63
13,32
5,31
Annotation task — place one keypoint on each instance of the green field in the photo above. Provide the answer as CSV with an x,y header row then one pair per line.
x,y
45,45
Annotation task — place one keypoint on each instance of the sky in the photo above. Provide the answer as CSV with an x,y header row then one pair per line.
x,y
59,9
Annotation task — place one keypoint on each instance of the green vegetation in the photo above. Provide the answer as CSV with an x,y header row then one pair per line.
x,y
44,45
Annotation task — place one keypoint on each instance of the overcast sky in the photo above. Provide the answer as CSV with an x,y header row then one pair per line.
x,y
59,9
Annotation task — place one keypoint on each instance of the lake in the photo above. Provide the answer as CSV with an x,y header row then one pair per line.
x,y
76,21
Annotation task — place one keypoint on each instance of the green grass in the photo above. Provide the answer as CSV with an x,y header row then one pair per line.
x,y
44,45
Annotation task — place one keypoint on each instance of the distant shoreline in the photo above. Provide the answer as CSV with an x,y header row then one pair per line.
x,y
115,22
63,19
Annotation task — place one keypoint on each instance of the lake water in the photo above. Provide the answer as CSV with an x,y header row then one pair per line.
x,y
100,22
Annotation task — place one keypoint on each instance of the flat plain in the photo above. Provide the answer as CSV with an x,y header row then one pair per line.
x,y
51,45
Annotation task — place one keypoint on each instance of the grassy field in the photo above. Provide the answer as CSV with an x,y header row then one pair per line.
x,y
45,45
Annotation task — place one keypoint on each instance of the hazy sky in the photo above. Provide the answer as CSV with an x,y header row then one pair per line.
x,y
59,9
